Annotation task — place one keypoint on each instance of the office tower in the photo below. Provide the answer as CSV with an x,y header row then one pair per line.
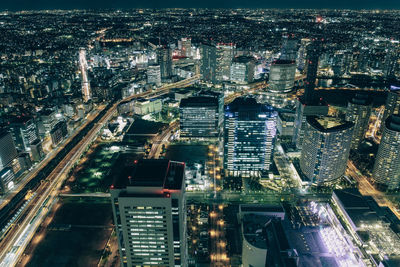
x,y
392,105
201,117
47,121
164,59
7,149
185,46
281,76
58,133
391,58
242,69
309,104
86,91
313,53
154,75
149,208
289,48
326,148
224,56
281,81
302,54
208,62
342,63
24,132
36,148
250,130
386,172
358,111
6,180
319,108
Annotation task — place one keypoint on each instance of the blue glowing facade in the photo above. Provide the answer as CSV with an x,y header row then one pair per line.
x,y
250,131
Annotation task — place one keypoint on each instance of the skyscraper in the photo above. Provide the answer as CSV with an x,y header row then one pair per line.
x,y
201,117
386,172
392,105
250,130
6,180
281,76
281,81
149,210
289,48
154,75
319,108
7,149
208,62
313,53
309,104
24,132
185,46
326,148
164,59
302,54
242,69
224,56
359,111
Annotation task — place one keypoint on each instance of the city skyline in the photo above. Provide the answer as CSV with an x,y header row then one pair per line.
x,y
254,4
200,137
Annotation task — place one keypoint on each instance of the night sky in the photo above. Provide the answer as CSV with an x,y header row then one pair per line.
x,y
123,4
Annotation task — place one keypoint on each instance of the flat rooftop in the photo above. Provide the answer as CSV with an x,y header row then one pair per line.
x,y
329,124
160,173
196,101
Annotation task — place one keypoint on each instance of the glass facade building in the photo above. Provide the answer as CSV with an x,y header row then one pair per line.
x,y
386,172
250,131
326,148
358,111
202,116
150,214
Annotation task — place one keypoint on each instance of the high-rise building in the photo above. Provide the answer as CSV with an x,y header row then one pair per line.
x,y
86,91
47,121
24,132
326,148
308,104
250,131
242,69
59,132
289,48
392,105
313,52
154,75
358,111
319,108
281,76
185,47
302,54
201,117
386,172
224,56
36,148
6,180
208,62
164,59
149,209
391,60
281,82
7,150
342,63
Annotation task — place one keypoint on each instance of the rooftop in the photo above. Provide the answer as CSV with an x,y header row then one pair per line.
x,y
199,101
329,124
361,99
393,123
160,173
